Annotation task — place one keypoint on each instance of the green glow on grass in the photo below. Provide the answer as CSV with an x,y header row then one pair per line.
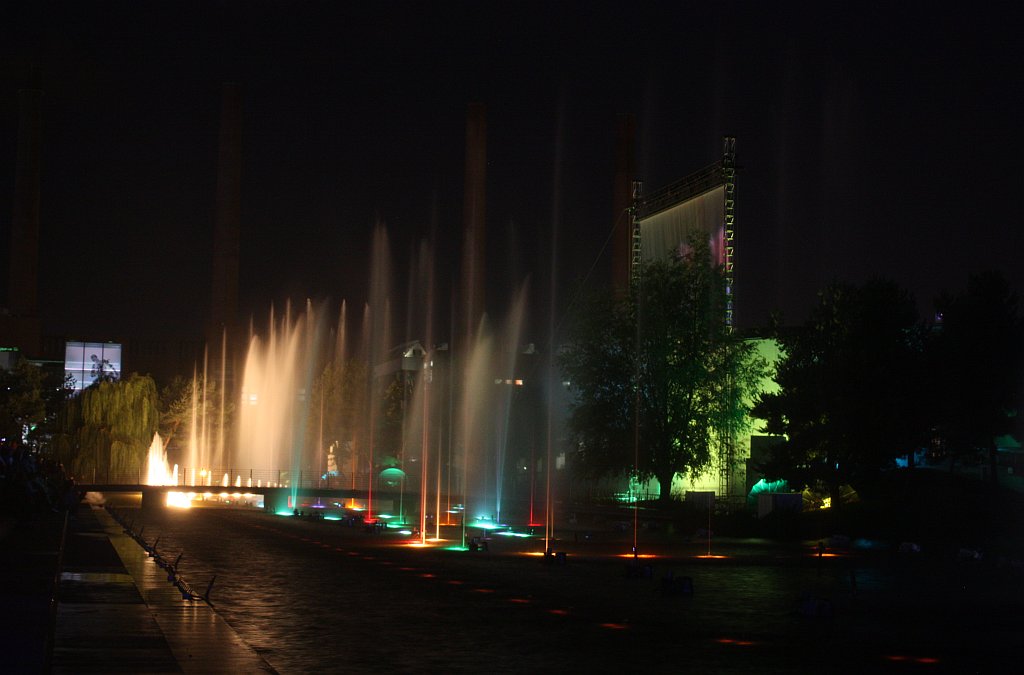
x,y
285,512
332,517
486,524
510,533
456,548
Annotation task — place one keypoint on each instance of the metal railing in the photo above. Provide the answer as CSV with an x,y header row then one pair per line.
x,y
231,478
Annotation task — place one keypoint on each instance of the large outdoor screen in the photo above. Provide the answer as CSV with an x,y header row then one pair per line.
x,y
87,362
664,233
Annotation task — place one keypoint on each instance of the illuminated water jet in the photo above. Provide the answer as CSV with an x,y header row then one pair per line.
x,y
157,469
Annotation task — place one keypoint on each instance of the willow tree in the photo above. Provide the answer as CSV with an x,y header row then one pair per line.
x,y
108,428
657,377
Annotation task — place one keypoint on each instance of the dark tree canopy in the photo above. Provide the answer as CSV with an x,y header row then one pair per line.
x,y
22,406
657,377
852,389
30,399
978,357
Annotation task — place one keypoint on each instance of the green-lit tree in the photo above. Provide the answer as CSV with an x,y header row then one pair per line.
x,y
852,394
108,428
978,361
658,379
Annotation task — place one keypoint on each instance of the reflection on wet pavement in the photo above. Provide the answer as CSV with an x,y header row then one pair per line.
x,y
315,596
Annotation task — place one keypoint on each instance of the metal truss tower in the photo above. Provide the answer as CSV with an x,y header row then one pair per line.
x,y
636,257
727,457
729,226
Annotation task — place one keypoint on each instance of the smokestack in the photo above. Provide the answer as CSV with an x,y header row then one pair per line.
x,y
622,198
474,218
22,328
227,223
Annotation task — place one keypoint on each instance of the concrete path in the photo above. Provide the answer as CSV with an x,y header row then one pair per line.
x,y
118,613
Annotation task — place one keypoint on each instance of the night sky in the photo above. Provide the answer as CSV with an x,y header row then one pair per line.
x,y
872,141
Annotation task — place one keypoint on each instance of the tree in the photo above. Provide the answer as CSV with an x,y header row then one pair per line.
x,y
851,392
658,378
195,400
31,397
108,428
977,356
22,406
337,408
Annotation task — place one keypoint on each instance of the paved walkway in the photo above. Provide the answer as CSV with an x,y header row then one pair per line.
x,y
29,552
116,611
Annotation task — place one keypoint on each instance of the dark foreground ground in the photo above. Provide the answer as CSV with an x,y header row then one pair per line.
x,y
316,596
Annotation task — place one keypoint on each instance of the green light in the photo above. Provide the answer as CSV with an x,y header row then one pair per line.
x,y
331,518
405,532
769,486
285,512
456,548
486,524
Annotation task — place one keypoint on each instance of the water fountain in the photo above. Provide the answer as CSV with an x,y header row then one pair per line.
x,y
158,471
306,387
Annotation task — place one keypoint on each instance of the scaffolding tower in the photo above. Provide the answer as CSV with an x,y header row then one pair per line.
x,y
727,458
720,174
637,253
